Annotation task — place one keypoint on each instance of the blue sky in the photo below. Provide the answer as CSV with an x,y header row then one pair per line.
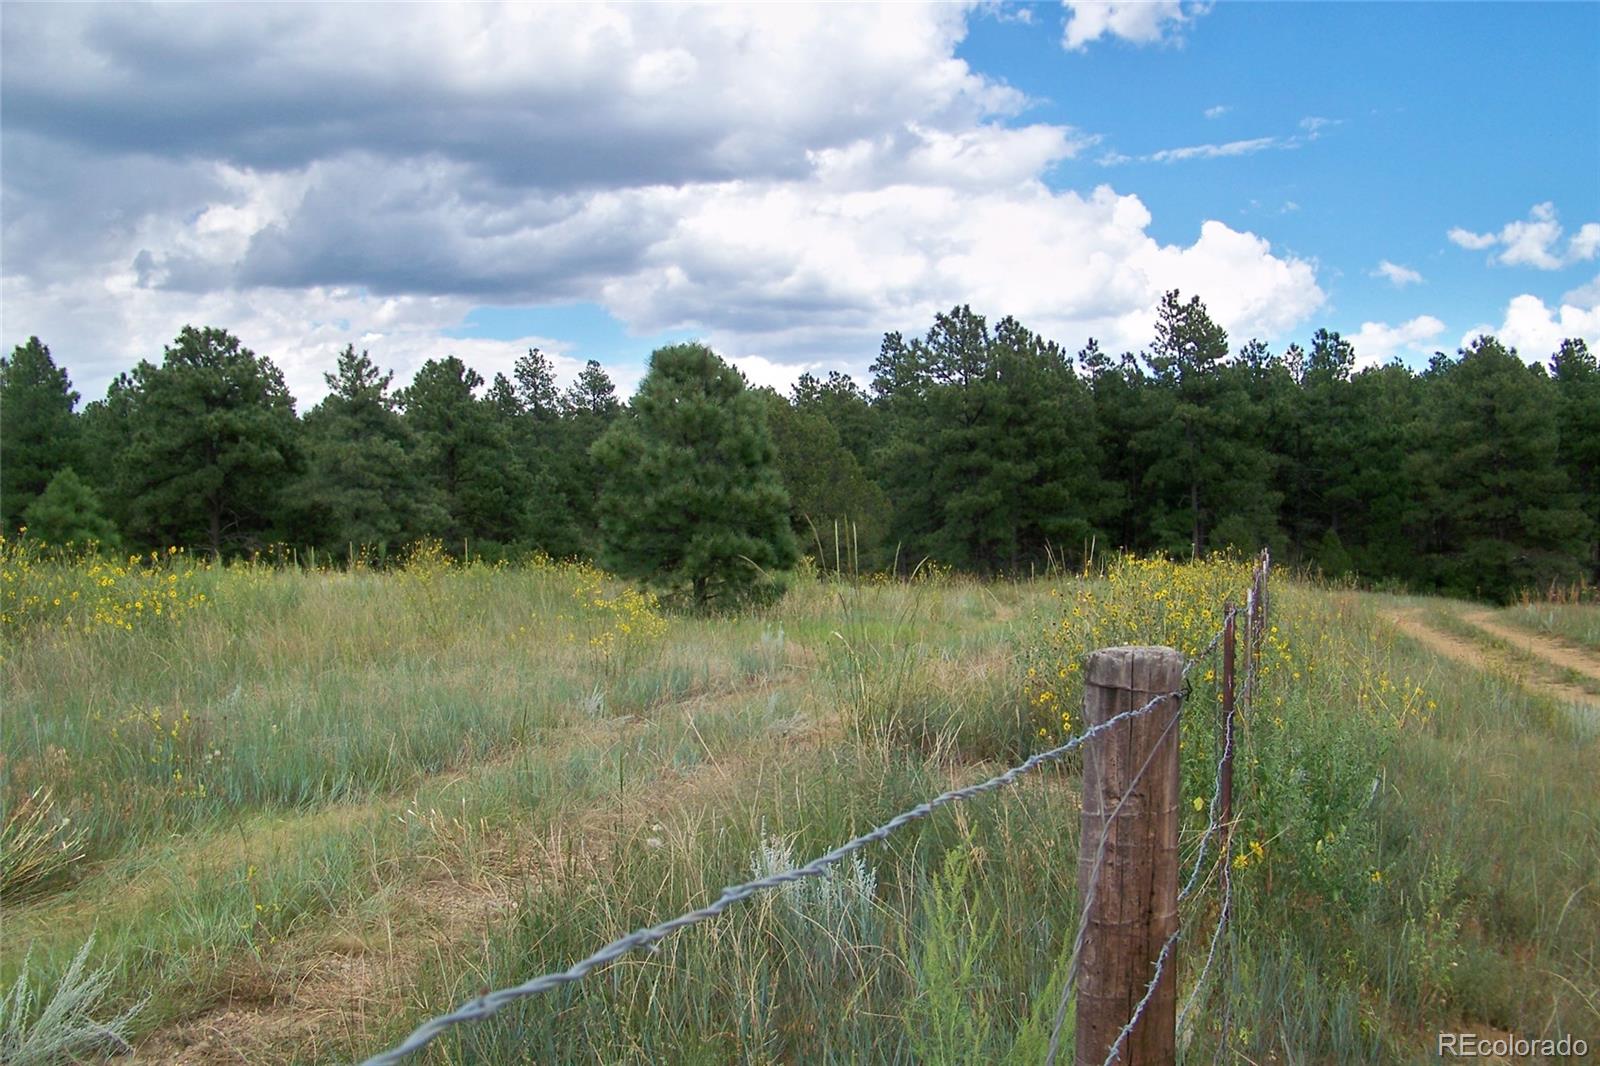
x,y
790,183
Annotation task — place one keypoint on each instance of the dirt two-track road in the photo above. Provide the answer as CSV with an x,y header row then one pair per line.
x,y
1535,661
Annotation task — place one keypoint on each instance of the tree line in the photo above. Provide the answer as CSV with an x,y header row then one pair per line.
x,y
986,447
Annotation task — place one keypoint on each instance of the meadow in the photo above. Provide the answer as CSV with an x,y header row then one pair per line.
x,y
264,813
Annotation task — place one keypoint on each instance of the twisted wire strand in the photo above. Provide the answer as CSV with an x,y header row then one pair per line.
x,y
490,1003
1214,823
1144,1001
1216,938
1225,911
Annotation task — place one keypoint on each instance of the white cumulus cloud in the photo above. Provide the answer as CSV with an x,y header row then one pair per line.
x,y
1378,342
1534,241
1536,330
1585,295
1139,21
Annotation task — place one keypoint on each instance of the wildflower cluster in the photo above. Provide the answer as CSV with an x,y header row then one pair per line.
x,y
1139,601
625,615
46,589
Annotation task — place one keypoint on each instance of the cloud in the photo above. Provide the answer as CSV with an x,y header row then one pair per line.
x,y
1536,331
1378,342
1138,21
1586,295
1475,242
1218,111
336,178
1311,127
1401,276
1213,151
1534,241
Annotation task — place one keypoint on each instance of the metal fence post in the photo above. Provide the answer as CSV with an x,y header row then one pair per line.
x,y
1225,787
1130,885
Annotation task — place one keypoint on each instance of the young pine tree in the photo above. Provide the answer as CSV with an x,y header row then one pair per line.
x,y
69,513
692,501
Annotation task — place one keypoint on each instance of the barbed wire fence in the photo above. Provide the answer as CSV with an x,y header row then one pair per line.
x,y
1220,822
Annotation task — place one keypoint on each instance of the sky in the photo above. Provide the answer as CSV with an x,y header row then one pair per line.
x,y
789,182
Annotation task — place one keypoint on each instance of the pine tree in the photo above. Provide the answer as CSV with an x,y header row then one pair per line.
x,y
692,501
1508,519
834,508
536,385
1577,381
68,512
589,407
467,456
991,461
213,442
38,433
363,484
1214,481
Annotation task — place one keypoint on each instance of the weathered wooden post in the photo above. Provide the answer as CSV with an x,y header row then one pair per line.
x,y
1132,901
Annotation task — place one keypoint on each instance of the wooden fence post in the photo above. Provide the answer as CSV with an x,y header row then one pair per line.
x,y
1132,904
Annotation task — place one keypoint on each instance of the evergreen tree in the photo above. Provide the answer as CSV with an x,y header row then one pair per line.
x,y
692,500
363,484
1126,410
467,456
847,408
69,513
836,511
38,434
528,413
536,385
1214,481
1507,517
106,434
593,392
212,443
589,407
991,462
1577,381
1386,529
1318,453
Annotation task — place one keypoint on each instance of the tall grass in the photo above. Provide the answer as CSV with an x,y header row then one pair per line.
x,y
457,775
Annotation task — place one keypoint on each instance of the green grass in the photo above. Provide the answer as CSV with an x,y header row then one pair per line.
x,y
420,784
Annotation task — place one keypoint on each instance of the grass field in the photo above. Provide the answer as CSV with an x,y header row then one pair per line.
x,y
309,809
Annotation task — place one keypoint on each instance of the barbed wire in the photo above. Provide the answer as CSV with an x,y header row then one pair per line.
x,y
484,1006
1144,1001
490,1003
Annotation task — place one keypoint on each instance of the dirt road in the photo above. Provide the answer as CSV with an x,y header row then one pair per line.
x,y
1556,657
